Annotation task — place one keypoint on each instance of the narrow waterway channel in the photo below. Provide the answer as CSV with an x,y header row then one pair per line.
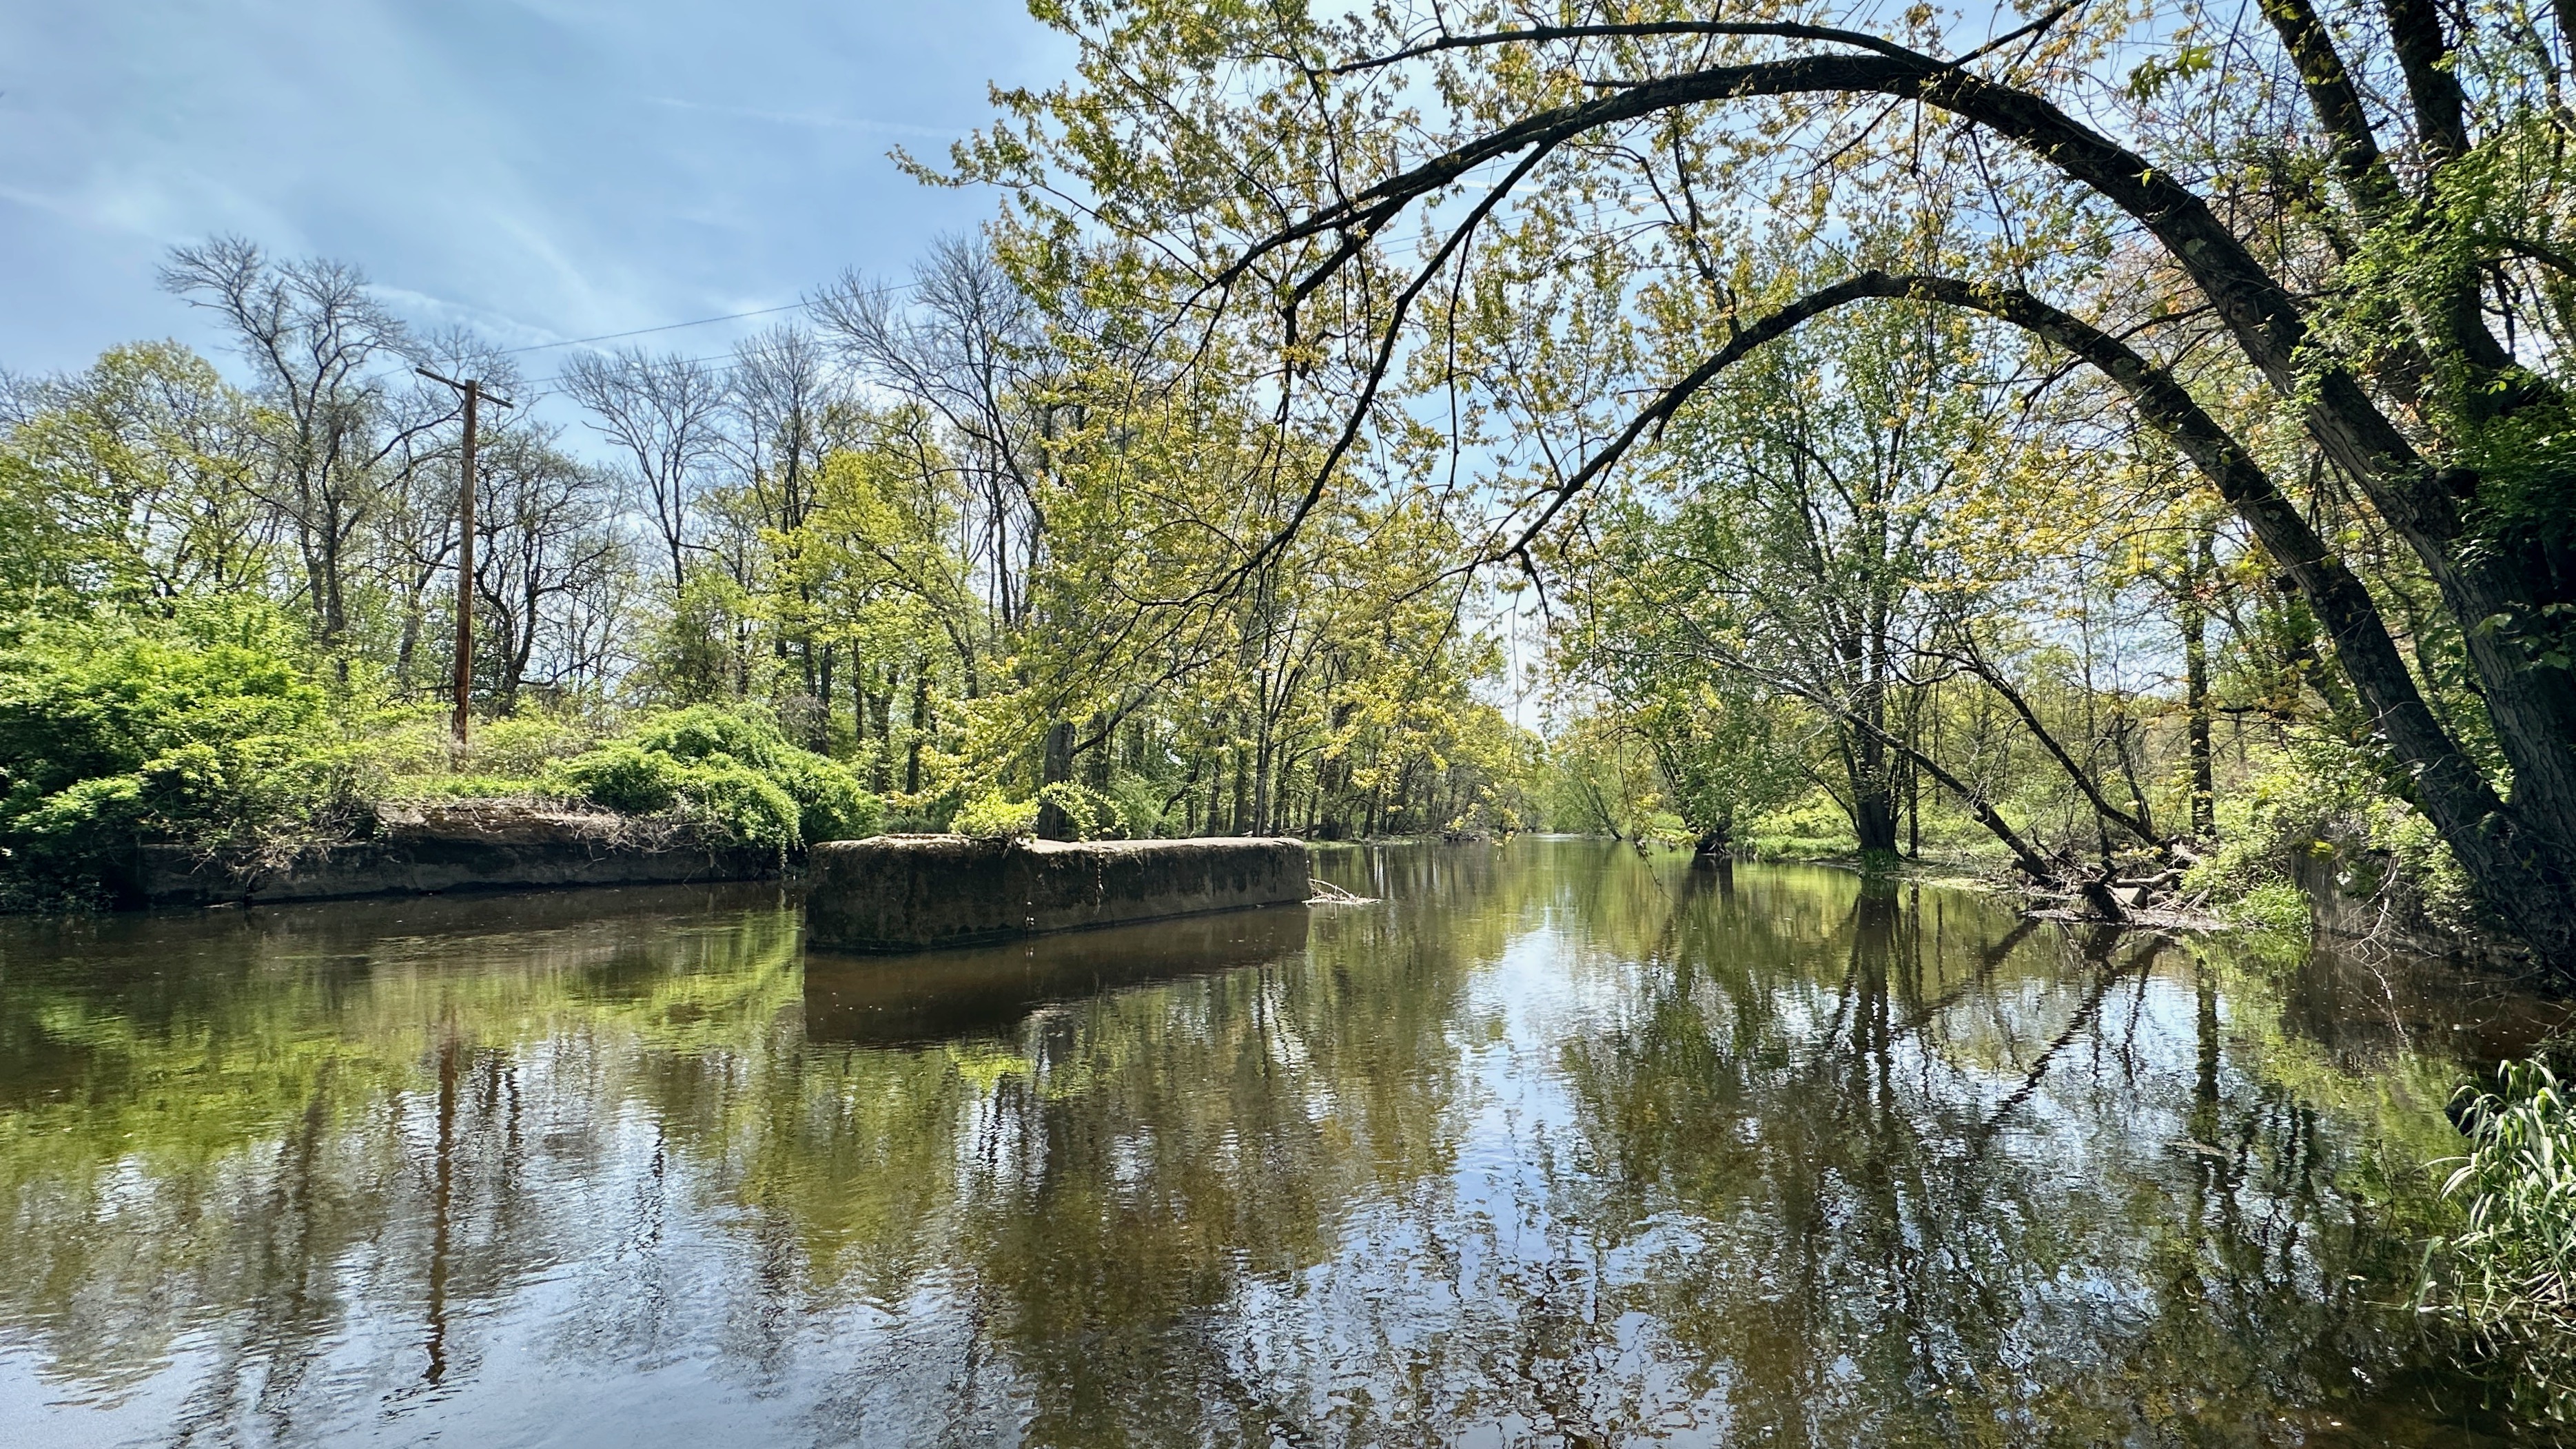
x,y
1553,1145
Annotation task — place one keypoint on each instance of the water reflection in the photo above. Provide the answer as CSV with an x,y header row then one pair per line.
x,y
933,995
1555,1145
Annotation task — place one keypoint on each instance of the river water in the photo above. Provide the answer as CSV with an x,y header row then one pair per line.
x,y
1553,1145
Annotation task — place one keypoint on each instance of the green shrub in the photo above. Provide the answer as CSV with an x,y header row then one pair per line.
x,y
458,787
2274,905
622,776
704,731
2316,803
738,803
991,816
525,746
728,771
831,803
1140,806
201,727
1092,814
1811,828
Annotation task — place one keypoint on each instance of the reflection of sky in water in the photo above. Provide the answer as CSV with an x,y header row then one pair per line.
x,y
1555,1146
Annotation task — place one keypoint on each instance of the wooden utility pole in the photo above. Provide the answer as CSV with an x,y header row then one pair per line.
x,y
472,389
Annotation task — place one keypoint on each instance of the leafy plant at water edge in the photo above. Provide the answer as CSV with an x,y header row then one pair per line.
x,y
993,816
2508,1276
1092,814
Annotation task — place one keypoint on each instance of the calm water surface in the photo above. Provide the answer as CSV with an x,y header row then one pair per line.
x,y
1554,1146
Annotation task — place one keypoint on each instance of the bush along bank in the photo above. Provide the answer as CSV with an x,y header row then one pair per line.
x,y
730,773
199,729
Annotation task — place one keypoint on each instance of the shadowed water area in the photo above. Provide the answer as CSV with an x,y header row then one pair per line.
x,y
1554,1145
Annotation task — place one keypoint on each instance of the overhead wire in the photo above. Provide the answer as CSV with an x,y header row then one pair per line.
x,y
641,331
796,306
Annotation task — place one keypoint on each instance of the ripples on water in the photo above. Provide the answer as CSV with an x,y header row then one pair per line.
x,y
1553,1146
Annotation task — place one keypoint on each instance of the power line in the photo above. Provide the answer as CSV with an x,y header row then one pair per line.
x,y
665,327
880,290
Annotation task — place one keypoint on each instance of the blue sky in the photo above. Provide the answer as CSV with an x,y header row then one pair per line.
x,y
540,169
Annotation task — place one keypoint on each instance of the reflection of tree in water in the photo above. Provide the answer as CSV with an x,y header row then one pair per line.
x,y
333,1115
1783,1156
1142,1157
1949,1181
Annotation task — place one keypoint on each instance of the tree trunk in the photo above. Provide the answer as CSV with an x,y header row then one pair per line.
x,y
1055,767
1260,821
1097,769
1874,814
822,668
2195,690
920,728
1873,792
1234,822
858,707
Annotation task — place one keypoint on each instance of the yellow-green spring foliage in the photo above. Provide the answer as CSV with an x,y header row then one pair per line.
x,y
728,771
197,724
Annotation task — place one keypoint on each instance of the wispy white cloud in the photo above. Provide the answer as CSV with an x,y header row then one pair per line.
x,y
818,120
534,169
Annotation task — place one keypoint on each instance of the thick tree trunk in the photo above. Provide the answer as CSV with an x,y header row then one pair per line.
x,y
1873,789
1874,814
1055,767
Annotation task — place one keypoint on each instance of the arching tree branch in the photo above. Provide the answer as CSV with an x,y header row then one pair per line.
x,y
2450,788
2337,104
2257,309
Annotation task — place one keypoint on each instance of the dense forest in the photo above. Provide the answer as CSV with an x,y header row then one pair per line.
x,y
2123,456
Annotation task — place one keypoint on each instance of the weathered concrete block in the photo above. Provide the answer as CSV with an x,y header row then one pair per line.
x,y
474,845
908,892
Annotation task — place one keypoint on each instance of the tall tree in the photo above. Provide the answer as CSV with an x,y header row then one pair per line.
x,y
2366,255
666,416
318,345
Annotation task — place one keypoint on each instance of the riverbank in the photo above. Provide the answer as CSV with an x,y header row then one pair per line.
x,y
2326,891
313,812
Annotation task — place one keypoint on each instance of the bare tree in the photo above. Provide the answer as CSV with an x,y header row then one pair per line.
x,y
971,346
318,343
546,548
667,415
789,412
783,398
